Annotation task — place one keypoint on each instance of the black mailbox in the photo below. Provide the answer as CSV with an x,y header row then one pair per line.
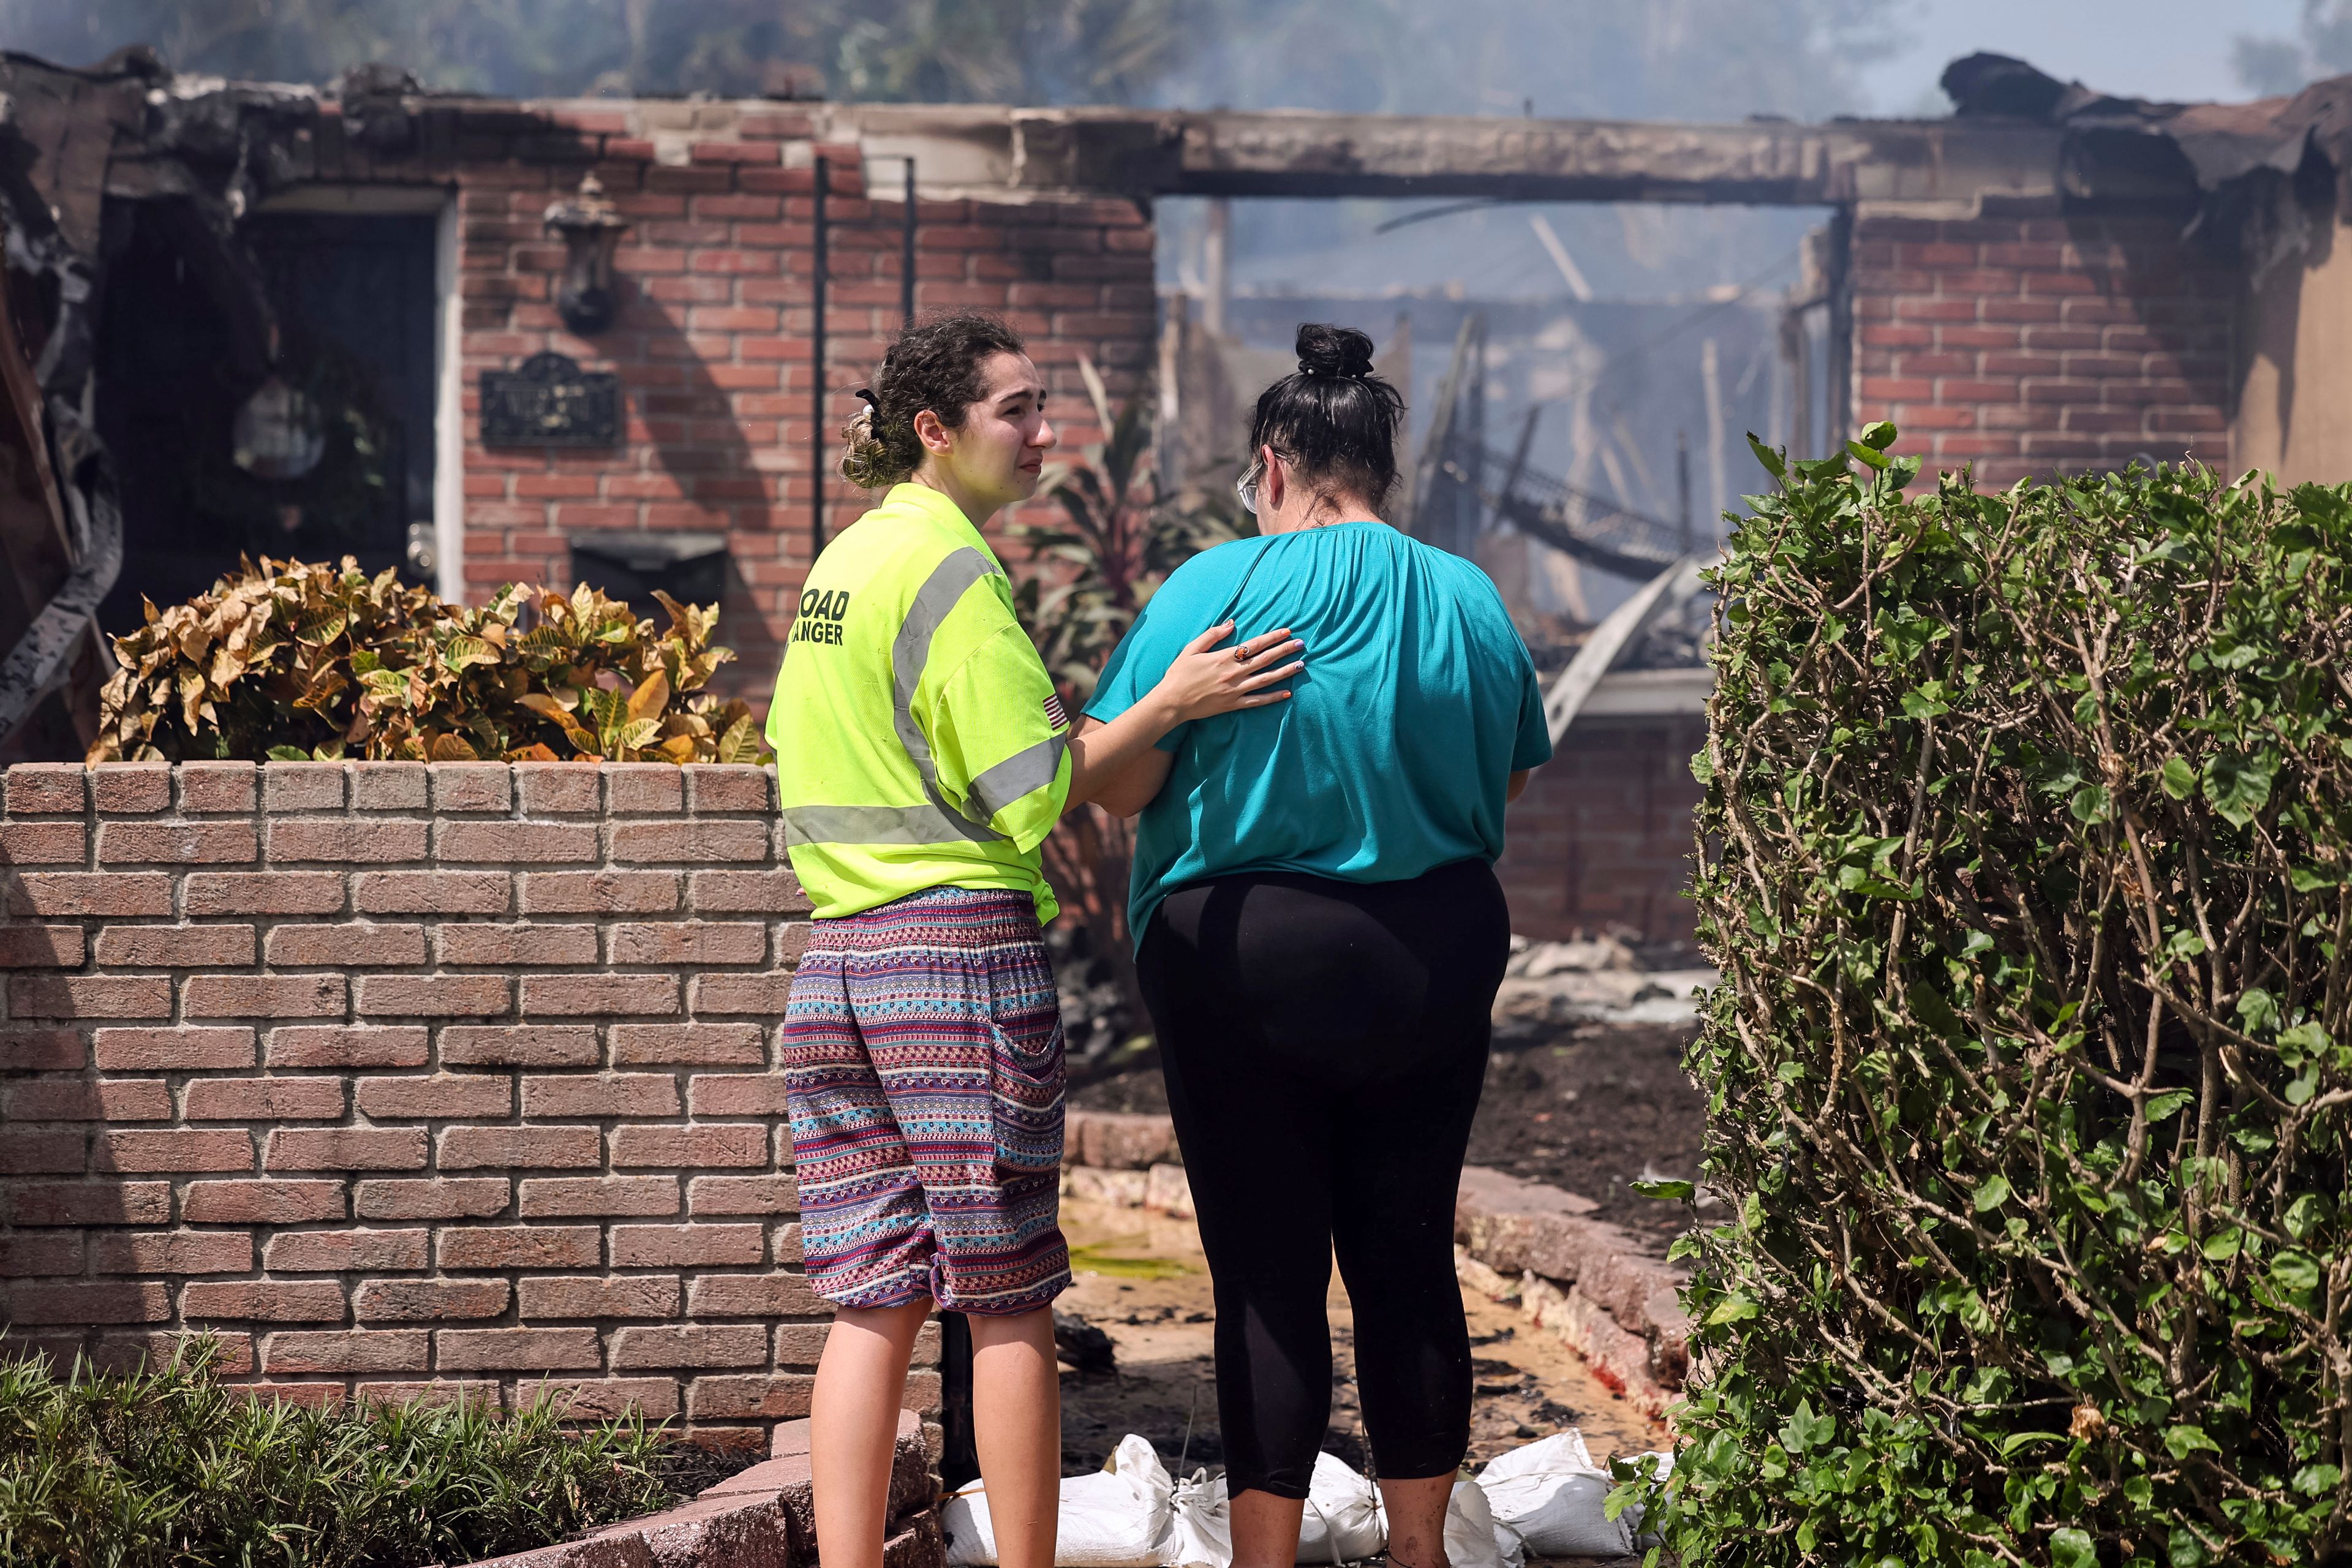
x,y
689,567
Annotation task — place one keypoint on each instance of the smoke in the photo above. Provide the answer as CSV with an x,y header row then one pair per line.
x,y
1643,325
2322,48
1664,59
1700,59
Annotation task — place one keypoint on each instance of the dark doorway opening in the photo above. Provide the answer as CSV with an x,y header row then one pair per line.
x,y
325,452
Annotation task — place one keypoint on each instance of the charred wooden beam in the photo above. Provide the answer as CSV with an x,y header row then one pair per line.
x,y
1297,153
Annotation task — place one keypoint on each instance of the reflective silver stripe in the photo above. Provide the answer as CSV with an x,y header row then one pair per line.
x,y
874,825
910,652
1016,775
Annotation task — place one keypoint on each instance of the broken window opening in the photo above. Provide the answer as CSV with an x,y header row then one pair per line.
x,y
326,452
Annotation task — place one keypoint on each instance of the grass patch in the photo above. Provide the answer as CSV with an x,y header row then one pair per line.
x,y
171,1468
1099,1258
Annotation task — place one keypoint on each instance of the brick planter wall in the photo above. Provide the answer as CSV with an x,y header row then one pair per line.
x,y
407,1079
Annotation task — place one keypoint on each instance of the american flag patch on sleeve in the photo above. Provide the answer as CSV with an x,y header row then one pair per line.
x,y
1056,716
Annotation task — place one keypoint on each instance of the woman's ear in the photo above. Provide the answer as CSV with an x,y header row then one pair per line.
x,y
1270,488
934,435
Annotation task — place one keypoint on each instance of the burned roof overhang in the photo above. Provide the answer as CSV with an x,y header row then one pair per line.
x,y
2249,174
983,151
2020,137
240,140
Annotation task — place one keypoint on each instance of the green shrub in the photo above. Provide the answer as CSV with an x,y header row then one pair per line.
x,y
2025,847
173,1469
294,660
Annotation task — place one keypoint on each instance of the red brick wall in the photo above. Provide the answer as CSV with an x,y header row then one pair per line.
x,y
712,342
2033,346
1602,839
406,1080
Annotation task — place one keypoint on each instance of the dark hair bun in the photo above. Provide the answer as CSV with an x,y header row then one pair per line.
x,y
1333,350
1336,419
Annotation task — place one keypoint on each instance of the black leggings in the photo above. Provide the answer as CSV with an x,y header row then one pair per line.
x,y
1325,1043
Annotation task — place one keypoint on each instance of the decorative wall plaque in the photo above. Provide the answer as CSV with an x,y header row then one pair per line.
x,y
549,401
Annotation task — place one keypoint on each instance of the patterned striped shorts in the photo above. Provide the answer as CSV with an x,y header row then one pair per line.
x,y
923,1072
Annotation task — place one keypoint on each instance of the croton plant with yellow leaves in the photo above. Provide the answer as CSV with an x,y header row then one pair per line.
x,y
296,661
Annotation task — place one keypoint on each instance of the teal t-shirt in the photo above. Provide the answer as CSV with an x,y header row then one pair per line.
x,y
1391,759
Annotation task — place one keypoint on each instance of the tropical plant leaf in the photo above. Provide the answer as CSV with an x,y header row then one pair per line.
x,y
741,742
1098,395
387,670
650,697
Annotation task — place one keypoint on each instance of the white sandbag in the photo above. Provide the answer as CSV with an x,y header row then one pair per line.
x,y
1549,1495
1565,1446
1471,1539
1119,1517
1203,1533
1342,1522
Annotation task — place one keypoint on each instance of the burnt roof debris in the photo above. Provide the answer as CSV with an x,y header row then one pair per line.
x,y
1986,84
2260,175
375,108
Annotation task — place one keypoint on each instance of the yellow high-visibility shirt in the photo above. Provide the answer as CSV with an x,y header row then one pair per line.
x,y
919,742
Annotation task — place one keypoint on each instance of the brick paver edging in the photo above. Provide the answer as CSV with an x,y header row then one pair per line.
x,y
1592,1284
1126,1160
406,1080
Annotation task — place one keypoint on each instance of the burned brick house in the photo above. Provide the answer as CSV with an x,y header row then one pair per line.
x,y
605,340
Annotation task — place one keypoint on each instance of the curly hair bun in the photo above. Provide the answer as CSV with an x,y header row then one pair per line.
x,y
1333,351
865,459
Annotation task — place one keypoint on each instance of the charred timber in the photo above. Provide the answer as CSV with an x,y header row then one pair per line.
x,y
1301,152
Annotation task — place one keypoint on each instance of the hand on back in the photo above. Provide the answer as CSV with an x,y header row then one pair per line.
x,y
1207,680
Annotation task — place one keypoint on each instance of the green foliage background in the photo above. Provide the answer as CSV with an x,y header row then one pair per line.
x,y
171,1468
2025,852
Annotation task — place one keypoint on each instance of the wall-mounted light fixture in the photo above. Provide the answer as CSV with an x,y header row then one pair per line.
x,y
591,227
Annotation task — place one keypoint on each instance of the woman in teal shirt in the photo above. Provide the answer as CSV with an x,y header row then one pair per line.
x,y
1320,936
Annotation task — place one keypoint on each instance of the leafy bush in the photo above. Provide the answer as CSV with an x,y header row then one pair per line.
x,y
173,1469
289,660
2025,851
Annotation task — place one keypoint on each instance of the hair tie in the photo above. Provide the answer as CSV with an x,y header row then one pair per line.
x,y
865,395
